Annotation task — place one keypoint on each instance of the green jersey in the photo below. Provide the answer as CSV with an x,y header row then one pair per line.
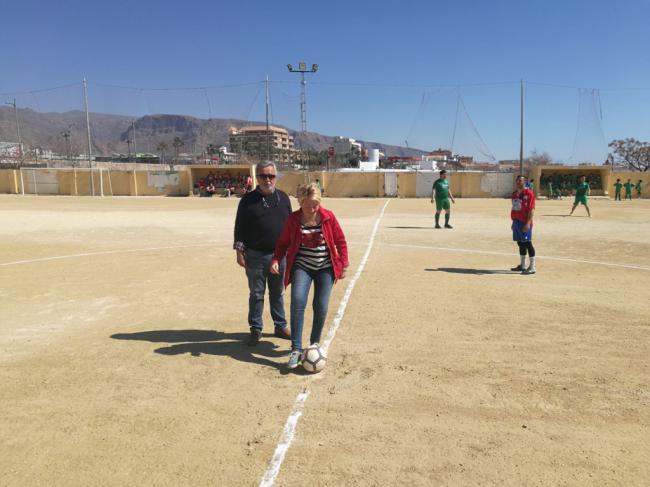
x,y
639,186
582,189
618,186
628,187
441,187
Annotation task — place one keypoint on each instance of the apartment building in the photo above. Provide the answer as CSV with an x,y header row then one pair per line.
x,y
253,139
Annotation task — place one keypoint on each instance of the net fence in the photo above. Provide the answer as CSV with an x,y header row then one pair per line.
x,y
194,125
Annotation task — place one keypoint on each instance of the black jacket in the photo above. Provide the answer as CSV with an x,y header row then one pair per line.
x,y
260,219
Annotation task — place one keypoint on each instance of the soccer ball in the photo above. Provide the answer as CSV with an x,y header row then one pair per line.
x,y
313,358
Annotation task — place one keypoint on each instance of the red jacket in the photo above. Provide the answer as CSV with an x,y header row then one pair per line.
x,y
289,242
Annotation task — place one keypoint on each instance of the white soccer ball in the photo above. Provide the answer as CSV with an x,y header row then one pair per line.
x,y
313,358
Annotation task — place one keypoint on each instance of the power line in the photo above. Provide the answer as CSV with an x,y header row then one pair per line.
x,y
41,90
188,88
327,83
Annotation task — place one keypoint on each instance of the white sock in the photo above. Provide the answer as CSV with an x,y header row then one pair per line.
x,y
532,263
523,261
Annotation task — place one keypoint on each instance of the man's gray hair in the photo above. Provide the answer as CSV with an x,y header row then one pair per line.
x,y
261,165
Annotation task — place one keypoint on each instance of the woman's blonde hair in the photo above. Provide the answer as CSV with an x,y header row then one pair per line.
x,y
309,191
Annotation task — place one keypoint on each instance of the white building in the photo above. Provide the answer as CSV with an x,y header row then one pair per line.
x,y
346,145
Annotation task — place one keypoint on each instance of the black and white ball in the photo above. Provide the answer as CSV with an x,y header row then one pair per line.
x,y
314,358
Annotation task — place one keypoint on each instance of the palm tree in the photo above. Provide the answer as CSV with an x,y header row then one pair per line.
x,y
177,143
162,147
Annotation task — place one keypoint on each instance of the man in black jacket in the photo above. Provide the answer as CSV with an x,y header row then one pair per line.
x,y
261,216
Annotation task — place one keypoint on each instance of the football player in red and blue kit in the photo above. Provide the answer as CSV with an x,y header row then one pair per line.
x,y
523,208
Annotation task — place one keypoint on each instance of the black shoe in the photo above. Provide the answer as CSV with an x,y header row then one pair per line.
x,y
284,332
447,225
254,337
517,269
437,226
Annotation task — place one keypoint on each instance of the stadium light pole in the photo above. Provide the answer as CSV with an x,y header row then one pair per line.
x,y
68,150
521,132
20,143
302,69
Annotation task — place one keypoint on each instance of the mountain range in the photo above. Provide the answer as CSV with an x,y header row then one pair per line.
x,y
109,133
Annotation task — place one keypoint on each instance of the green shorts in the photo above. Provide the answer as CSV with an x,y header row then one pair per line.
x,y
443,204
581,199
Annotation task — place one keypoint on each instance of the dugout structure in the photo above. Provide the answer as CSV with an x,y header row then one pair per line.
x,y
564,179
222,176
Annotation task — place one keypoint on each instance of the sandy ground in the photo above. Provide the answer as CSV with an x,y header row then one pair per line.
x,y
122,359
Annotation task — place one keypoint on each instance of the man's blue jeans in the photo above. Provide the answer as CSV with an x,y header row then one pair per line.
x,y
300,284
257,271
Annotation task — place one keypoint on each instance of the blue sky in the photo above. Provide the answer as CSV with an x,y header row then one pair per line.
x,y
389,71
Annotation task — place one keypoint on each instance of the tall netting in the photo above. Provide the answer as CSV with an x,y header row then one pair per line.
x,y
161,126
446,119
625,113
49,124
180,125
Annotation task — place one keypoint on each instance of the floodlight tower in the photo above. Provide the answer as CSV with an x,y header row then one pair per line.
x,y
302,69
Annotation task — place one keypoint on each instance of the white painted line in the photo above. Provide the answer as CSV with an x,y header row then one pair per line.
x,y
104,252
289,431
288,434
508,254
348,291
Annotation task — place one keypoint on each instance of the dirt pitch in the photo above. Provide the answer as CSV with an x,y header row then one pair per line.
x,y
122,361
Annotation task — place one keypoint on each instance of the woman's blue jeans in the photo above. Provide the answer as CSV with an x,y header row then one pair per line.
x,y
300,283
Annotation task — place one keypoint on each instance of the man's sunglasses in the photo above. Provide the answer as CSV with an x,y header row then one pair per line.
x,y
266,176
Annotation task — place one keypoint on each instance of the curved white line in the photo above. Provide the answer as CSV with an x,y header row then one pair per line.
x,y
104,252
288,433
507,254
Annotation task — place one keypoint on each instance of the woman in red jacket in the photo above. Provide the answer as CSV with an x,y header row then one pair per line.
x,y
315,247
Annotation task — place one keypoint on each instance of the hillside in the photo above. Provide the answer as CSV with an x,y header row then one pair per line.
x,y
109,133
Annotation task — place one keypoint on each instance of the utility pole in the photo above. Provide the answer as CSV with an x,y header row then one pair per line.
x,y
20,142
135,147
268,140
90,158
521,132
302,69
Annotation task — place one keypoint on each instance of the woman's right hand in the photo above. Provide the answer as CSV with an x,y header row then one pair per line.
x,y
275,268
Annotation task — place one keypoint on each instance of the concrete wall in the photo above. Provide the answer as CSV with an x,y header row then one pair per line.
x,y
289,181
7,184
337,185
407,185
162,183
77,182
353,185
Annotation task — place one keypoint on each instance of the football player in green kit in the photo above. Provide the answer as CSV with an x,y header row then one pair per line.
x,y
639,188
628,189
442,194
617,190
582,194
